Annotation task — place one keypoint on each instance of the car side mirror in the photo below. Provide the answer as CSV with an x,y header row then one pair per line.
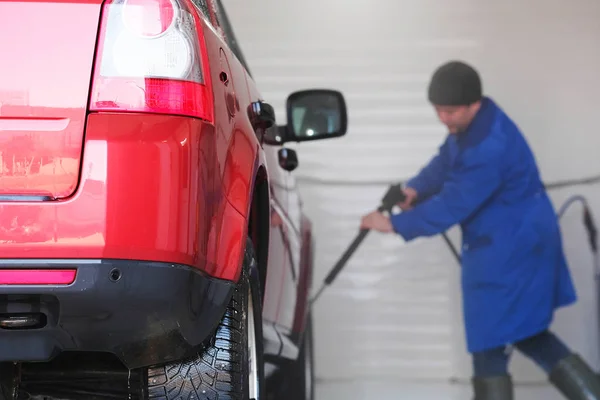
x,y
315,114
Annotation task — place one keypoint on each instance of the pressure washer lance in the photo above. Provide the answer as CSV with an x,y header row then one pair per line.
x,y
393,196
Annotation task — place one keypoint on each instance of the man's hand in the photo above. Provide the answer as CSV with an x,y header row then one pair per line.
x,y
411,196
377,221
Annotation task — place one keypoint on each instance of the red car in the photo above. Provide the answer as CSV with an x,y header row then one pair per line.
x,y
153,246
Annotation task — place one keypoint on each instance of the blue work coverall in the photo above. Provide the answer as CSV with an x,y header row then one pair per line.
x,y
514,273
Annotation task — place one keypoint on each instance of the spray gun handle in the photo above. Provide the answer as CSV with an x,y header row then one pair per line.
x,y
393,196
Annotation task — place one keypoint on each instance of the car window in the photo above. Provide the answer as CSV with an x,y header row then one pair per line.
x,y
225,25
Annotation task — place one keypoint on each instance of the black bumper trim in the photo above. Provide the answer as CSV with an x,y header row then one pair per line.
x,y
152,314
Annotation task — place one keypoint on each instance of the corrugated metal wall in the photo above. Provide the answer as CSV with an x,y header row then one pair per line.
x,y
395,310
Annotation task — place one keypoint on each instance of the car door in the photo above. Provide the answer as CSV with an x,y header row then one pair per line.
x,y
292,237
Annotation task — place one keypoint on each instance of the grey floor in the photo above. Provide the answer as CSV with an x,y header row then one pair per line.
x,y
415,391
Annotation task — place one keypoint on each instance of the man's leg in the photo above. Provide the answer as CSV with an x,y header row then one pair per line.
x,y
566,370
545,349
491,380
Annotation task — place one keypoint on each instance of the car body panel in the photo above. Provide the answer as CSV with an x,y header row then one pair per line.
x,y
162,209
45,77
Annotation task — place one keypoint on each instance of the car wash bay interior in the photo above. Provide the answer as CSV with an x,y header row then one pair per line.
x,y
391,323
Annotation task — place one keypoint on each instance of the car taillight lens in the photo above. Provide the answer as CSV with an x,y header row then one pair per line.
x,y
150,59
149,18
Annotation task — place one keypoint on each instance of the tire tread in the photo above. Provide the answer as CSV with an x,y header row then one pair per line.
x,y
216,372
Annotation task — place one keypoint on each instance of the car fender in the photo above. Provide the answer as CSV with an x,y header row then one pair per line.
x,y
243,162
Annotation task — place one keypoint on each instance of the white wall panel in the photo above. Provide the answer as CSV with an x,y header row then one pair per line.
x,y
395,311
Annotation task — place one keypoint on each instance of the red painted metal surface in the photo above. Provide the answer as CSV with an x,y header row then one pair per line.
x,y
148,191
37,276
44,83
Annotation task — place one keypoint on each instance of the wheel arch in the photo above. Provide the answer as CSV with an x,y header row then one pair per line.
x,y
259,222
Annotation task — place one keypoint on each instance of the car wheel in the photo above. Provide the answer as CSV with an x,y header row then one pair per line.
x,y
231,364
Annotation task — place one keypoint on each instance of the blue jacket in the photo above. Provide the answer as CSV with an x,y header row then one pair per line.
x,y
514,273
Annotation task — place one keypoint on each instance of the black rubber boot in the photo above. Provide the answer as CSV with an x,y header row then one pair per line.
x,y
575,379
493,388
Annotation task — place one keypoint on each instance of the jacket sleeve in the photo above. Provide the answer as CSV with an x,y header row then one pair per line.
x,y
471,183
430,179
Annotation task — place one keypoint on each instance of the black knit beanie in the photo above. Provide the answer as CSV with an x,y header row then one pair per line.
x,y
455,84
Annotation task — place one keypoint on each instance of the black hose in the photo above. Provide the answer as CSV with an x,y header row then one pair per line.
x,y
573,182
589,224
588,219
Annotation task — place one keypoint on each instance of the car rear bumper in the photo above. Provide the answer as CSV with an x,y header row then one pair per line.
x,y
145,313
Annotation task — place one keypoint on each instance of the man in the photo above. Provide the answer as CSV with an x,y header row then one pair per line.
x,y
514,272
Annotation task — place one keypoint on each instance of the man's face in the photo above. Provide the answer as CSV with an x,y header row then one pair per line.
x,y
457,118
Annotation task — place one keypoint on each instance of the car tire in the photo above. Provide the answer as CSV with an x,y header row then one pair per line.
x,y
7,381
304,368
230,365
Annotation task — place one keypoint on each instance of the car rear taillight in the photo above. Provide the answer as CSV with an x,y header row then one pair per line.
x,y
149,18
151,58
